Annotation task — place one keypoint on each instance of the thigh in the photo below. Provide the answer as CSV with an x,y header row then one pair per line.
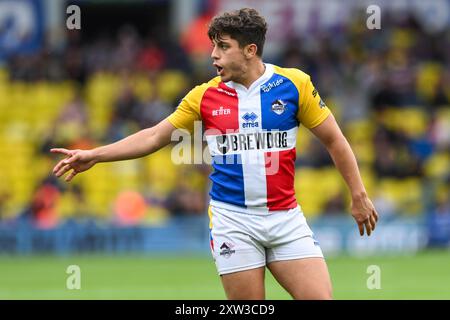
x,y
244,285
305,279
291,238
233,244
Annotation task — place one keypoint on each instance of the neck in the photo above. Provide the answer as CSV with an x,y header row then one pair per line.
x,y
254,71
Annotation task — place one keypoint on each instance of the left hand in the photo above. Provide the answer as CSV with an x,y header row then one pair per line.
x,y
363,211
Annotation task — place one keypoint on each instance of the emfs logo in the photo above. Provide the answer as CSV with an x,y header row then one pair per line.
x,y
250,120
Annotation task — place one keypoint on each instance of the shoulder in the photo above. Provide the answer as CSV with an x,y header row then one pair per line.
x,y
297,76
198,91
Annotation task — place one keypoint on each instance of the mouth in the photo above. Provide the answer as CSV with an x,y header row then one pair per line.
x,y
219,69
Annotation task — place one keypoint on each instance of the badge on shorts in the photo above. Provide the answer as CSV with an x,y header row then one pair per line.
x,y
226,249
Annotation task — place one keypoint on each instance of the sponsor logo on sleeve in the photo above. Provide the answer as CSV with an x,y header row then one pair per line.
x,y
322,104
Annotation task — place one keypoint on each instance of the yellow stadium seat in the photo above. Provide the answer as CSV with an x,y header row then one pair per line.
x,y
101,92
444,113
438,165
161,172
170,85
315,187
442,192
362,129
405,193
428,77
66,206
413,120
142,87
401,38
304,138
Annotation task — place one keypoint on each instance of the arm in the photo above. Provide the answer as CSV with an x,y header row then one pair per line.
x,y
137,145
339,149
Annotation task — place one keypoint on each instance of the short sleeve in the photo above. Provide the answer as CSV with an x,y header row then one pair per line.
x,y
312,110
188,111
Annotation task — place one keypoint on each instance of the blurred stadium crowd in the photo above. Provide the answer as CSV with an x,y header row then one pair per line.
x,y
389,90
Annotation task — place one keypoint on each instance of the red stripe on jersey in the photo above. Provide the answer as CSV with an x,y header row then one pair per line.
x,y
280,183
219,109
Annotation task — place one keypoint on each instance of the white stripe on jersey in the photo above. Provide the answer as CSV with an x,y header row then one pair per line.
x,y
253,161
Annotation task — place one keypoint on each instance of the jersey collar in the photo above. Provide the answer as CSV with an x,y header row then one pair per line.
x,y
268,73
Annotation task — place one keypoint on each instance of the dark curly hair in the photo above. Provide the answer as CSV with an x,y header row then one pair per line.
x,y
246,26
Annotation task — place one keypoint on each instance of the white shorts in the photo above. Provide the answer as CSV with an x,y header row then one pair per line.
x,y
241,241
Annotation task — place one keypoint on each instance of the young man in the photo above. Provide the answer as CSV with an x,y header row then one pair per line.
x,y
251,112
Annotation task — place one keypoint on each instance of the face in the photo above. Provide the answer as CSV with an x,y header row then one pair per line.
x,y
229,59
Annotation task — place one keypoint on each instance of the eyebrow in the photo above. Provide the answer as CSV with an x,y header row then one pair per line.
x,y
219,39
221,42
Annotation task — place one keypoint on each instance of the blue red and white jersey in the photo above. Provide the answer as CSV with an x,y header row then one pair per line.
x,y
251,135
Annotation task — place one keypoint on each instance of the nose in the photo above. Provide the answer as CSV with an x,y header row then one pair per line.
x,y
214,54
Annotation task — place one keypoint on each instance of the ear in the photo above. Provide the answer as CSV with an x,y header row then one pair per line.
x,y
250,50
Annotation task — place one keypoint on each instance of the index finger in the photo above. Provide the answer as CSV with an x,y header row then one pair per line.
x,y
61,150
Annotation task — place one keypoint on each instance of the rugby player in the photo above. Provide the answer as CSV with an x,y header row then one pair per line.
x,y
250,113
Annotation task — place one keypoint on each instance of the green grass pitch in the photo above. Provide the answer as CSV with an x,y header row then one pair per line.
x,y
422,276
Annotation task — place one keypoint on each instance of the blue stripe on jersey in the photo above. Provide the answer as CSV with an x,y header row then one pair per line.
x,y
228,180
276,92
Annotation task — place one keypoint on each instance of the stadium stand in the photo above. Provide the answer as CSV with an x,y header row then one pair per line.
x,y
400,132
